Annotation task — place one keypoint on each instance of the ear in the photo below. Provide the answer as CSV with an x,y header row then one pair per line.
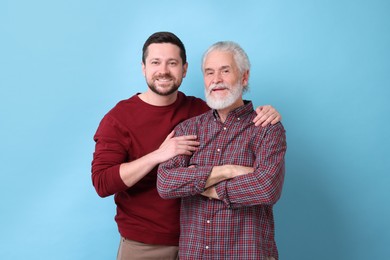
x,y
185,67
245,78
143,69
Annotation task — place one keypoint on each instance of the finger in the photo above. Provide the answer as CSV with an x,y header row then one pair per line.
x,y
261,120
266,122
186,137
187,145
264,109
189,142
272,119
185,152
191,148
268,116
170,135
261,112
277,119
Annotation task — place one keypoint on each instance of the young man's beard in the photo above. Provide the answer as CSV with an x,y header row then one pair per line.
x,y
235,92
171,90
168,90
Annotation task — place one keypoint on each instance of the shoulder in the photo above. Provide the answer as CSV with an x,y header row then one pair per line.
x,y
118,113
276,127
193,101
125,103
196,122
126,108
262,131
275,132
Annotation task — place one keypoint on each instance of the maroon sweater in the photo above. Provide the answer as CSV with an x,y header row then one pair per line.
x,y
129,131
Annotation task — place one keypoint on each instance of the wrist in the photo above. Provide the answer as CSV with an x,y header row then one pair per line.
x,y
229,172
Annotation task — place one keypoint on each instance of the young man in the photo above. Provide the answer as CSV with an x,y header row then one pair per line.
x,y
136,136
230,183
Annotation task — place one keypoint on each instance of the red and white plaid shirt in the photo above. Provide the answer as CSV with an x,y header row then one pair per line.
x,y
240,225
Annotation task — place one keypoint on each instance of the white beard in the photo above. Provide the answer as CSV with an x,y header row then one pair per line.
x,y
235,92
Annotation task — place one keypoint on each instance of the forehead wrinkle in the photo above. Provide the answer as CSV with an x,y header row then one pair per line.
x,y
223,67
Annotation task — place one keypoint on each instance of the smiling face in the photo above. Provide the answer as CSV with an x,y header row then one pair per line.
x,y
223,81
163,68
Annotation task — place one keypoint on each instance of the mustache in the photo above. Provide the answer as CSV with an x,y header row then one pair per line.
x,y
218,86
165,75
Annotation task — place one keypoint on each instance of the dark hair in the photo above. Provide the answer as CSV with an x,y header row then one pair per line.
x,y
164,37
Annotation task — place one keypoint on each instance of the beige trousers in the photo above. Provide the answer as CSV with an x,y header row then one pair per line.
x,y
133,250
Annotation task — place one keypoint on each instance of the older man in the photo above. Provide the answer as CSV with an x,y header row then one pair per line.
x,y
230,183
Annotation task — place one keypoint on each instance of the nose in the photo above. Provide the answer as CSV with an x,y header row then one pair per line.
x,y
164,68
217,78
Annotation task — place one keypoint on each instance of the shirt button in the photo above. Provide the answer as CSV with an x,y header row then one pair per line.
x,y
218,150
224,128
208,221
207,247
238,118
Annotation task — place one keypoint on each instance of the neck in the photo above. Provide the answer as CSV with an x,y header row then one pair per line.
x,y
223,113
158,100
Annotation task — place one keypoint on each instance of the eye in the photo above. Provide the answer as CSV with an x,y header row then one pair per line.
x,y
172,63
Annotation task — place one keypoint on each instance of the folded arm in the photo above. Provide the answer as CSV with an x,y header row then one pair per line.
x,y
264,184
222,173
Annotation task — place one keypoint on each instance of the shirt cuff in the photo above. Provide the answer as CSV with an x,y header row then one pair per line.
x,y
202,174
221,189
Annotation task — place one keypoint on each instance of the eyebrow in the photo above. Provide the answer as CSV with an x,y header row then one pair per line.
x,y
159,58
225,67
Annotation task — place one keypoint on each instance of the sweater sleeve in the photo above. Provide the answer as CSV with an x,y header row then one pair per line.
x,y
264,185
110,153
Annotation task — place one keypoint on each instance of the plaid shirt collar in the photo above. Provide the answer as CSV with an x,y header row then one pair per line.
x,y
240,112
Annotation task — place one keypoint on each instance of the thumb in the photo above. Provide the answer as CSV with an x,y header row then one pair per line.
x,y
171,134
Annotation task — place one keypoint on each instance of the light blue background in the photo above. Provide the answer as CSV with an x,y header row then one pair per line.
x,y
325,65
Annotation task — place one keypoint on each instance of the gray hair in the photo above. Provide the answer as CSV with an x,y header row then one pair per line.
x,y
239,55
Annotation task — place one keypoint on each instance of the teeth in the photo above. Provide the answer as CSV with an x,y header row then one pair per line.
x,y
163,79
